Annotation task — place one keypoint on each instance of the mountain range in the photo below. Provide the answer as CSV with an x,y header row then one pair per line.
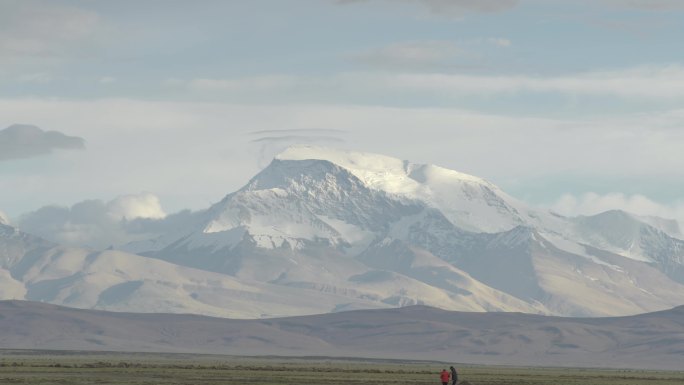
x,y
322,230
646,341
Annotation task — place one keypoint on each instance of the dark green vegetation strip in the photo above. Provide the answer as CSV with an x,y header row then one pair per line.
x,y
150,369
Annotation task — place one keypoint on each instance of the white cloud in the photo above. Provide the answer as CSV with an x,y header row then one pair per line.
x,y
258,83
432,55
94,223
652,5
642,82
413,54
37,77
647,82
458,6
144,205
453,7
194,154
592,203
500,41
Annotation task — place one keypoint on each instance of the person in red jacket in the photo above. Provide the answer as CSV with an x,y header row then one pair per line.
x,y
444,376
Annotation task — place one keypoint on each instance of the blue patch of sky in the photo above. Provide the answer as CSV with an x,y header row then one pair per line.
x,y
546,189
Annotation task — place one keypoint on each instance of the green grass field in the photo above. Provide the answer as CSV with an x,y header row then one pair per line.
x,y
22,367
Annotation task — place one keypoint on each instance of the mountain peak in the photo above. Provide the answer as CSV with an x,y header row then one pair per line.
x,y
469,202
323,230
375,169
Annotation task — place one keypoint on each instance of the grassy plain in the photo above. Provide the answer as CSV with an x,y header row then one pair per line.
x,y
77,368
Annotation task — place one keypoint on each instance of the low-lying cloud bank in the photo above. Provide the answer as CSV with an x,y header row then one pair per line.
x,y
646,82
98,224
592,203
130,218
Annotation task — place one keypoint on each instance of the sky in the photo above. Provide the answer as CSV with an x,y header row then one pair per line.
x,y
145,108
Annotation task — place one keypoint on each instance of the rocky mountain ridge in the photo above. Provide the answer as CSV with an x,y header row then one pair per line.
x,y
353,230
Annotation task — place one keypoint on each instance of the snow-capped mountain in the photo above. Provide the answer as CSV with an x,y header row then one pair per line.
x,y
469,202
37,270
322,230
628,235
340,221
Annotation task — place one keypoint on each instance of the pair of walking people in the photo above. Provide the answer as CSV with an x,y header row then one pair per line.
x,y
446,376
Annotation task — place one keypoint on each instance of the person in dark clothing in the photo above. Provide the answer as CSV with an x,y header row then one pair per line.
x,y
444,376
454,375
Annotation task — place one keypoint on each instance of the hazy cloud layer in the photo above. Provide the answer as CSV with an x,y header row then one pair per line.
x,y
39,28
205,150
263,82
653,5
453,7
301,131
650,82
458,7
26,141
432,55
592,203
414,54
641,82
95,223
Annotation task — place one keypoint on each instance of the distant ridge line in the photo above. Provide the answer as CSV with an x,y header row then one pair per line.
x,y
415,333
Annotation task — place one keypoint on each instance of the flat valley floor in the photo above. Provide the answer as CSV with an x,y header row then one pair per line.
x,y
76,368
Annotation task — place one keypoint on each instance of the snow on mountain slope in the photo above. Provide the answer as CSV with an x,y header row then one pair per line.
x,y
323,230
294,205
668,226
289,204
469,202
598,282
625,234
12,248
369,226
302,223
266,285
588,282
314,194
35,270
392,255
118,281
576,285
15,245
